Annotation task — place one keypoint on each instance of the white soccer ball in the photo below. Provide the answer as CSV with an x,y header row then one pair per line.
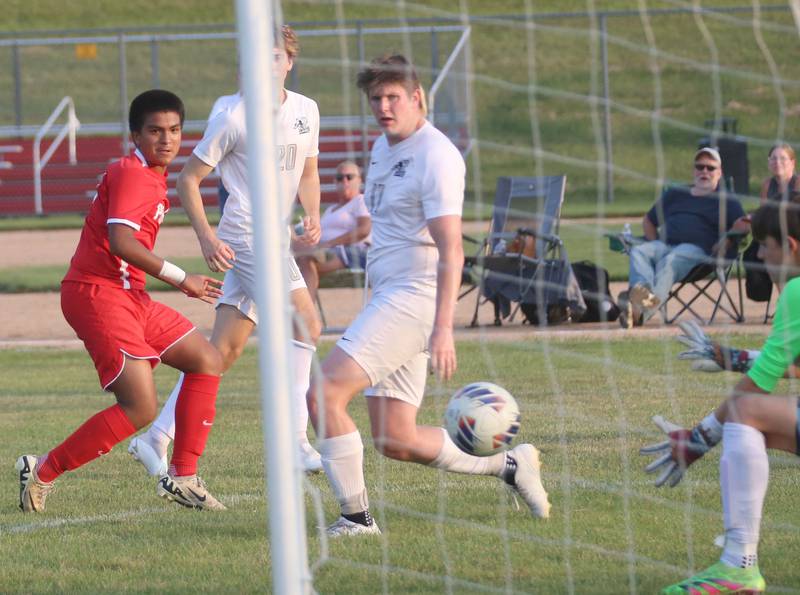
x,y
482,419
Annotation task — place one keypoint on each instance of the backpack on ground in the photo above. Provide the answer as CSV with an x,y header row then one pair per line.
x,y
757,282
593,281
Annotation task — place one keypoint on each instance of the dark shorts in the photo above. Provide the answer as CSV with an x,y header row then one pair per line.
x,y
352,256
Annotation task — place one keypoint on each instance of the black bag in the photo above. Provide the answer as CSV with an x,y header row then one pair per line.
x,y
757,282
593,281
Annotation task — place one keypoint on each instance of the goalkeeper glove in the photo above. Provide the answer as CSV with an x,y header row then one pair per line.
x,y
710,356
682,448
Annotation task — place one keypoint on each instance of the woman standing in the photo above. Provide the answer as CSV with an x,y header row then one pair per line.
x,y
781,162
778,187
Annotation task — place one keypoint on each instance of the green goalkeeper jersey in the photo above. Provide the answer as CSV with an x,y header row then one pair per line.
x,y
782,347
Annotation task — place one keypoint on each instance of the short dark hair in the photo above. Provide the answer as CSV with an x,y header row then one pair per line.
x,y
150,102
777,220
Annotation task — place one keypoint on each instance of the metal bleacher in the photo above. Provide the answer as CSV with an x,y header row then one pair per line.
x,y
69,188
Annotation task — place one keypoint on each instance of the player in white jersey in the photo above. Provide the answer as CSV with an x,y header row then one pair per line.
x,y
414,191
231,248
223,102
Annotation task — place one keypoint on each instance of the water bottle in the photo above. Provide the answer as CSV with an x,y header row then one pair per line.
x,y
627,235
500,247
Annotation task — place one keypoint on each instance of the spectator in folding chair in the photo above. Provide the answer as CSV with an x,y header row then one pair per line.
x,y
346,227
681,230
780,186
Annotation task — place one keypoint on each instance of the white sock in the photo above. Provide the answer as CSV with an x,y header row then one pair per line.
x,y
343,461
451,458
303,355
743,477
162,432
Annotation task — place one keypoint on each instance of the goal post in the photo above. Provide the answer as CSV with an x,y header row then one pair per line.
x,y
289,558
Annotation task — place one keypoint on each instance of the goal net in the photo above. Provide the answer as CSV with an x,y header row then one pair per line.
x,y
617,100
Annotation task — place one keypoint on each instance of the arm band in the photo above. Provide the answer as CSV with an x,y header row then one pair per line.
x,y
172,273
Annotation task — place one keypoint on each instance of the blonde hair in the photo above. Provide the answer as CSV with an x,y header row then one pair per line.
x,y
287,40
392,69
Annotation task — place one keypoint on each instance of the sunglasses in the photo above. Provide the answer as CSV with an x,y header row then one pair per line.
x,y
348,177
703,166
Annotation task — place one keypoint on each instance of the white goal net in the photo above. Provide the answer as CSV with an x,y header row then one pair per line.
x,y
617,99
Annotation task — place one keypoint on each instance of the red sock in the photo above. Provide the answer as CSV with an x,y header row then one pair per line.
x,y
97,436
194,416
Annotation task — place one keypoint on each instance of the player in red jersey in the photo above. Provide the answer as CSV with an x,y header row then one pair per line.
x,y
103,298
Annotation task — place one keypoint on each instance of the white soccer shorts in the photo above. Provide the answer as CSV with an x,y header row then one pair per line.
x,y
239,289
389,341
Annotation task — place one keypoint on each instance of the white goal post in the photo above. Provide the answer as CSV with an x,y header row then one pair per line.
x,y
290,575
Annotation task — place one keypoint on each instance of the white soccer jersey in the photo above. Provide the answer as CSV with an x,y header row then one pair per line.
x,y
419,178
224,146
224,102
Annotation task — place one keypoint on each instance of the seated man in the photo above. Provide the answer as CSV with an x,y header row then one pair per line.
x,y
681,230
345,231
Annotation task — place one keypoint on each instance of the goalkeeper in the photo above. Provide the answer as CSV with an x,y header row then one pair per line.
x,y
751,420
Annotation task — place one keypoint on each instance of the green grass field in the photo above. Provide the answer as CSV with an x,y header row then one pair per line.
x,y
585,404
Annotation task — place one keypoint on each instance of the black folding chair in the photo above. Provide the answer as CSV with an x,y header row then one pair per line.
x,y
709,280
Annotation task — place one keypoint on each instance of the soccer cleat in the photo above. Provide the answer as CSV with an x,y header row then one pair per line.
x,y
32,492
141,451
343,527
527,480
720,578
310,459
189,491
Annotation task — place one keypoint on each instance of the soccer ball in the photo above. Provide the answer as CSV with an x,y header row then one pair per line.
x,y
482,419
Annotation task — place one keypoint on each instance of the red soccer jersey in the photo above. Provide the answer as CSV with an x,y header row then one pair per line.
x,y
132,194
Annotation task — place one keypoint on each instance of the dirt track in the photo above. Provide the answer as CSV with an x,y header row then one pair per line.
x,y
37,319
46,247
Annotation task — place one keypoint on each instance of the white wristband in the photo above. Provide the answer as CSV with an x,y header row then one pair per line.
x,y
172,272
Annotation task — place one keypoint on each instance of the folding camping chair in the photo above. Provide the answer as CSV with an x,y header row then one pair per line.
x,y
704,277
521,259
714,273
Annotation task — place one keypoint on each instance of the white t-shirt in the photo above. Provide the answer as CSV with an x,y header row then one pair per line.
x,y
337,220
419,178
224,102
224,146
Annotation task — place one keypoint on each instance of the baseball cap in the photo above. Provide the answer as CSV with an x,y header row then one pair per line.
x,y
711,152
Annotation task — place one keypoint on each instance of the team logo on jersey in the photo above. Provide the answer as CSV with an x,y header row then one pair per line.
x,y
159,216
399,169
301,125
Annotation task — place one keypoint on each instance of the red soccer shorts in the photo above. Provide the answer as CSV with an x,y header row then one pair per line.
x,y
114,322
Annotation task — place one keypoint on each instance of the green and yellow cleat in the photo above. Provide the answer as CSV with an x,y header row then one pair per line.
x,y
720,578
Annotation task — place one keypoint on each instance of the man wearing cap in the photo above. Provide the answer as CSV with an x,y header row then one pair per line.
x,y
681,229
